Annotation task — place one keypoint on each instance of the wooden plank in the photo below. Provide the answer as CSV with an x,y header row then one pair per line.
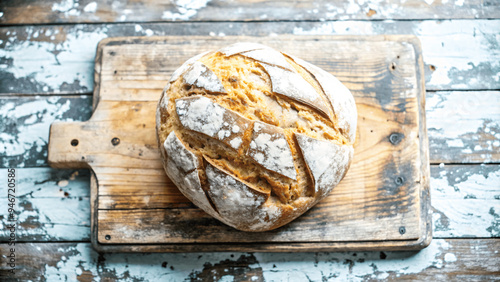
x,y
26,122
384,109
50,11
464,126
462,198
61,57
473,140
51,205
450,259
465,201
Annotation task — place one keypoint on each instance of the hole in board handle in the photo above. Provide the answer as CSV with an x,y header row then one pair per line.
x,y
115,141
74,142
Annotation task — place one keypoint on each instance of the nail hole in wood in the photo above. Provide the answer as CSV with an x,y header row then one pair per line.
x,y
107,237
399,180
395,138
74,142
393,66
402,230
115,141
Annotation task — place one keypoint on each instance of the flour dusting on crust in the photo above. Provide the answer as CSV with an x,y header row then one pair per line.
x,y
270,148
182,168
200,76
182,69
270,57
239,204
200,114
326,161
241,47
182,157
293,86
339,96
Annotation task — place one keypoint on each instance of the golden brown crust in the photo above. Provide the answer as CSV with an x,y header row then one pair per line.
x,y
252,136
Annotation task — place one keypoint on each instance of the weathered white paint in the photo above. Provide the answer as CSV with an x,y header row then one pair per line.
x,y
465,112
449,257
52,64
475,65
186,9
474,54
464,126
44,210
80,258
30,133
466,202
33,119
337,265
90,7
442,46
221,10
67,7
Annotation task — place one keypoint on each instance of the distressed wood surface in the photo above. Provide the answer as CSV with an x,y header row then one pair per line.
x,y
450,259
25,123
465,203
464,126
459,55
473,140
75,11
51,205
130,74
61,57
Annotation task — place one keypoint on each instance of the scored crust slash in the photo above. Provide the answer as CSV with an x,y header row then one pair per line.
x,y
253,136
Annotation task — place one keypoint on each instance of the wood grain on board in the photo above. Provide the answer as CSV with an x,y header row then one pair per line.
x,y
61,57
384,196
444,259
61,11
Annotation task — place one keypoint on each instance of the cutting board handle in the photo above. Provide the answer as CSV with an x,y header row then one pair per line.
x,y
69,145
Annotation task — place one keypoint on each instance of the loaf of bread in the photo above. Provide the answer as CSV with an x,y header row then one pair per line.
x,y
253,136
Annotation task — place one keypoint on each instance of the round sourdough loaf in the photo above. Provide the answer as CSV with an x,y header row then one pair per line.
x,y
253,136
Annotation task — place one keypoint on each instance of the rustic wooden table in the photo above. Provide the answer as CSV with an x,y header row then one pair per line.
x,y
46,74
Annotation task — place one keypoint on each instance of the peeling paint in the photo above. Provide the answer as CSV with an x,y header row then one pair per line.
x,y
186,9
50,64
475,65
43,211
67,7
90,7
462,198
73,260
469,131
69,57
26,122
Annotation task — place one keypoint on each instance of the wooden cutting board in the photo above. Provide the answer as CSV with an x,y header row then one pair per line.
x,y
383,202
